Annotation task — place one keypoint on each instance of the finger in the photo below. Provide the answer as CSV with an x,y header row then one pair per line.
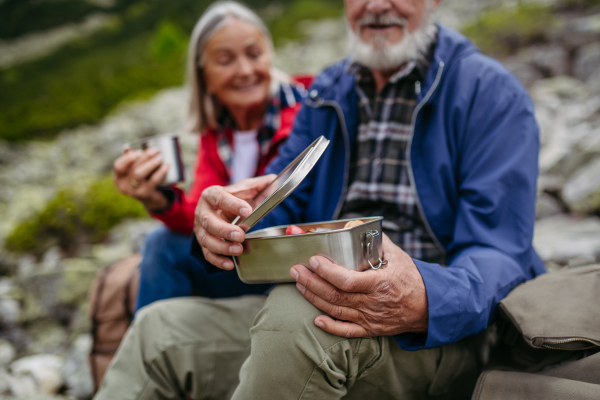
x,y
220,199
217,245
218,261
341,328
210,222
336,311
256,184
143,170
122,164
158,176
342,278
324,289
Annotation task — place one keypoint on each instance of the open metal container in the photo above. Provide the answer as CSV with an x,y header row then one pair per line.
x,y
269,253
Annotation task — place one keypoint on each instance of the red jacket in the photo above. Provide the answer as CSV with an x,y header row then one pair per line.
x,y
210,169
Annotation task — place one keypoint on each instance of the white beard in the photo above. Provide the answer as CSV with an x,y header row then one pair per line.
x,y
382,56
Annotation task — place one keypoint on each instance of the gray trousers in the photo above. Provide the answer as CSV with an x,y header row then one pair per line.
x,y
257,347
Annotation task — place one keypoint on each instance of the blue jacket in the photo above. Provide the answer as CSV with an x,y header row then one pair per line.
x,y
473,161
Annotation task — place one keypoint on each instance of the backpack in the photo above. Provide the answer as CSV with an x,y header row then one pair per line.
x,y
550,345
111,300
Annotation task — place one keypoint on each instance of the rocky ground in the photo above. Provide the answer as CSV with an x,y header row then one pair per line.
x,y
44,329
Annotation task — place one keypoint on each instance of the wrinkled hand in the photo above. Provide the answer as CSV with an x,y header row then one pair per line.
x,y
388,301
138,174
217,207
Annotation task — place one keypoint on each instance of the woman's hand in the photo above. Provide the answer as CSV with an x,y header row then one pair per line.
x,y
217,207
138,173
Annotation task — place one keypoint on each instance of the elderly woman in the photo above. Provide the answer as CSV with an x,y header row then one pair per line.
x,y
243,109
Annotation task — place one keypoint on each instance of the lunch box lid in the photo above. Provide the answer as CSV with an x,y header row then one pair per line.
x,y
284,184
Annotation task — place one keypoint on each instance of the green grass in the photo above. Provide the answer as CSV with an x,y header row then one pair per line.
x,y
141,52
502,32
71,218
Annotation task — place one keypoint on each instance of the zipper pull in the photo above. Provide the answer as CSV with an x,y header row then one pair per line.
x,y
418,88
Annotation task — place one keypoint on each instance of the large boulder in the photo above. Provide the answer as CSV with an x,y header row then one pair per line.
x,y
44,370
7,353
582,190
563,237
587,61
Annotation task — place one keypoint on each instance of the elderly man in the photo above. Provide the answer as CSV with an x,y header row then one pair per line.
x,y
425,131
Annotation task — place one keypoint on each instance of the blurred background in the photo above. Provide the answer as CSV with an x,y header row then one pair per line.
x,y
78,78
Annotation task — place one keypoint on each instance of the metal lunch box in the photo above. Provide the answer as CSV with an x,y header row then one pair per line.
x,y
269,253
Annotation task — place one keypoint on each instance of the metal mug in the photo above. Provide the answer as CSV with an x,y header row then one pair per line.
x,y
170,151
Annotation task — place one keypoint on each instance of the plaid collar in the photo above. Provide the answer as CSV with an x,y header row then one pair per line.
x,y
287,96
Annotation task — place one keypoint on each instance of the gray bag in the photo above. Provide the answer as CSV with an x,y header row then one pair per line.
x,y
552,326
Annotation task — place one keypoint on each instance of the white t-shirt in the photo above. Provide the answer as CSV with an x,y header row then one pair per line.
x,y
245,154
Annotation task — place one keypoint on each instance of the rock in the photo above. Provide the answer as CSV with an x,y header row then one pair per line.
x,y
75,282
7,353
524,71
5,380
563,237
582,191
550,59
76,371
51,260
9,312
47,336
23,385
587,61
547,206
44,369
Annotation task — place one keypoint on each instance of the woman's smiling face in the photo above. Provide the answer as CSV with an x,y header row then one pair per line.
x,y
236,66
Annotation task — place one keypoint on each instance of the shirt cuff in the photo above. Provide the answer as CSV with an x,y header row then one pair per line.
x,y
171,195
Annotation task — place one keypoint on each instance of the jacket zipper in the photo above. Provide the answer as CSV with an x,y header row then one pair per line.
x,y
318,103
409,151
552,344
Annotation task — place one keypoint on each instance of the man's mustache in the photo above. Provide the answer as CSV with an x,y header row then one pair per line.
x,y
381,19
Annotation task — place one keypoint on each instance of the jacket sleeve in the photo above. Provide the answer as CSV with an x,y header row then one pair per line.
x,y
491,249
180,216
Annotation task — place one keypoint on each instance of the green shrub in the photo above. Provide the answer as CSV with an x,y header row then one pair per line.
x,y
141,52
503,31
71,218
285,27
168,40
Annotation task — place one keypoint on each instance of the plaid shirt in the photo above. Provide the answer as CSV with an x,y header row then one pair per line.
x,y
379,182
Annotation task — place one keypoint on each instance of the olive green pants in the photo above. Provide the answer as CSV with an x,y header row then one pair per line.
x,y
256,347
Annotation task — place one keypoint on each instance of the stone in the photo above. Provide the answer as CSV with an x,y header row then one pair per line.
x,y
582,191
522,70
47,336
5,381
550,59
76,371
547,206
44,369
7,352
563,237
587,60
51,260
9,312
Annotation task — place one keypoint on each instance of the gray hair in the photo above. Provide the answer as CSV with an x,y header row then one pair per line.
x,y
202,113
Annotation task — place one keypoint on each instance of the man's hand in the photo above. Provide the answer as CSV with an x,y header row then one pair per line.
x,y
388,301
217,207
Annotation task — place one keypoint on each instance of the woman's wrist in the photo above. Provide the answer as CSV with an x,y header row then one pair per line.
x,y
159,201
